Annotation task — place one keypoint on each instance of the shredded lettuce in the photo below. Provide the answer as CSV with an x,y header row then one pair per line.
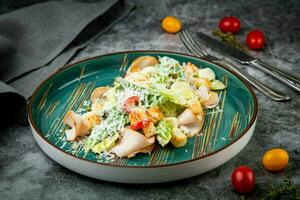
x,y
170,68
148,96
164,132
111,124
106,144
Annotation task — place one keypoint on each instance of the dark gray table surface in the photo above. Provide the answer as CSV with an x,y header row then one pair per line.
x,y
27,173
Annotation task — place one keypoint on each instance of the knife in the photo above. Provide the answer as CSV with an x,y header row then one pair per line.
x,y
245,59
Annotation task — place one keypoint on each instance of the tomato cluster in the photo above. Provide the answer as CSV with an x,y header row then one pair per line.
x,y
243,178
255,38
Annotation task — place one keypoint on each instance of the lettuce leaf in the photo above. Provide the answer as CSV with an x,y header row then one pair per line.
x,y
115,120
164,132
183,94
106,144
170,109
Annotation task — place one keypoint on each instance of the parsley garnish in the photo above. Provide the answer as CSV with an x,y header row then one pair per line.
x,y
230,39
286,189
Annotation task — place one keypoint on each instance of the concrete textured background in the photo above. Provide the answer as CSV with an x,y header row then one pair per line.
x,y
27,173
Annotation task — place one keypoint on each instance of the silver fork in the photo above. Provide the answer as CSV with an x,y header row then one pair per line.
x,y
195,48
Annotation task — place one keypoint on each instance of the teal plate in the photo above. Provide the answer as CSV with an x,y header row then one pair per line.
x,y
68,88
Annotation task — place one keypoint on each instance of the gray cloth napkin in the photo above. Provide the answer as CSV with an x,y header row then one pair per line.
x,y
36,40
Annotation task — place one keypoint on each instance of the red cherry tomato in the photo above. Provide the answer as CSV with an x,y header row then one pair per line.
x,y
255,39
140,124
243,179
230,24
130,103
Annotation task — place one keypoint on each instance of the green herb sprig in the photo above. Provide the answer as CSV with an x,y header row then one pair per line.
x,y
286,188
230,39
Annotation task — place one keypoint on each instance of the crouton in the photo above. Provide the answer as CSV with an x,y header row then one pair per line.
x,y
137,115
178,139
154,114
149,130
196,108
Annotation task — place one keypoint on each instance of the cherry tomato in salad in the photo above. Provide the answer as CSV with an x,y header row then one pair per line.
x,y
130,103
140,124
275,159
171,24
255,39
243,179
230,24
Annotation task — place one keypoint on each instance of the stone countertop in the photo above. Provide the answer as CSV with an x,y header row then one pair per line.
x,y
27,173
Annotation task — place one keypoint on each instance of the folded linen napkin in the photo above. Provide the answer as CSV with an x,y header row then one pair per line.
x,y
38,39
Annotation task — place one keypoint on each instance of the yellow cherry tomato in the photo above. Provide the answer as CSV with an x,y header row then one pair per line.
x,y
171,24
275,159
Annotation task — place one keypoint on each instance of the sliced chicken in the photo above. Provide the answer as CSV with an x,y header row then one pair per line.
x,y
78,125
141,62
131,143
190,123
191,129
147,149
186,117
